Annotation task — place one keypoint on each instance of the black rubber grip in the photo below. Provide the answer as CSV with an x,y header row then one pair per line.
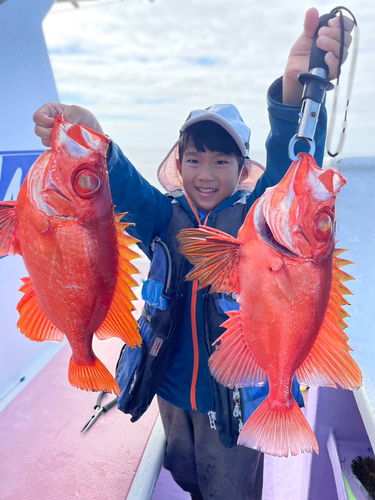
x,y
317,55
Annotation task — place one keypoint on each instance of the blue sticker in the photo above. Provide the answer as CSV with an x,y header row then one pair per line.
x,y
14,166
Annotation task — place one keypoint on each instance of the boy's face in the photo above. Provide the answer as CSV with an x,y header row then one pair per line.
x,y
208,178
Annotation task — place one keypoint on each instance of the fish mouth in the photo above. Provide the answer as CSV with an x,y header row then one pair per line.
x,y
266,234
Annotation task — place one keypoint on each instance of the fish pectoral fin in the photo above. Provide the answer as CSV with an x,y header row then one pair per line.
x,y
8,223
215,255
281,274
232,364
119,321
33,323
329,362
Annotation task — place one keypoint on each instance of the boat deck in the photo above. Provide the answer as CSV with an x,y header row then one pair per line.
x,y
45,456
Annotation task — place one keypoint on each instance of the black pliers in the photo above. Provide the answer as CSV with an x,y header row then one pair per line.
x,y
99,409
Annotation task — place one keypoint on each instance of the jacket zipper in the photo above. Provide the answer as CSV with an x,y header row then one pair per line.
x,y
237,409
193,315
212,413
237,400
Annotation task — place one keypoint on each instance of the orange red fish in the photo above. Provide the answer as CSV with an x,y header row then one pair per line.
x,y
284,267
64,227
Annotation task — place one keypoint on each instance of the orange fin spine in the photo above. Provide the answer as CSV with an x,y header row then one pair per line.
x,y
338,298
121,226
340,275
215,255
334,328
128,253
337,339
126,277
278,431
336,318
329,362
336,308
8,224
126,240
125,265
339,251
119,216
232,364
33,323
339,263
340,288
93,377
125,289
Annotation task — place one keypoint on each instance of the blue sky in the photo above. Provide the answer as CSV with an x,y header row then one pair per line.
x,y
141,66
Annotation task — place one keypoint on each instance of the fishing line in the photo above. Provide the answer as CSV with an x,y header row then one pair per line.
x,y
350,83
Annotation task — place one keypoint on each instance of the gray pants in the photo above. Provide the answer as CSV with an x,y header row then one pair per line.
x,y
201,465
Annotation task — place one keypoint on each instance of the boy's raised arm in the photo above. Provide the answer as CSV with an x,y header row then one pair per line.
x,y
284,97
145,205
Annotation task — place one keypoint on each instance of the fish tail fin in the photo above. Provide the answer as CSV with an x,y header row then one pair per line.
x,y
276,431
8,221
93,377
214,254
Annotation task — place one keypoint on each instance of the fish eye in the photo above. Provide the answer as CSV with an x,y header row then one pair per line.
x,y
85,182
323,226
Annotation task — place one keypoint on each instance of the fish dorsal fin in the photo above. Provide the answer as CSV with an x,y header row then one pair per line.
x,y
232,364
119,321
329,362
8,221
215,255
33,323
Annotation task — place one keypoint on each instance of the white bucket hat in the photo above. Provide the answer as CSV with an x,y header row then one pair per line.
x,y
228,117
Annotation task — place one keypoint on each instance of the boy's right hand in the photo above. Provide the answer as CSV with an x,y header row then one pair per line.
x,y
298,62
44,119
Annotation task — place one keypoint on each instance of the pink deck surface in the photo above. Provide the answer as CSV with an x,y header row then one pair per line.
x,y
43,455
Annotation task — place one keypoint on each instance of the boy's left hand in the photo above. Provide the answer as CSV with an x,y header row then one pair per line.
x,y
299,57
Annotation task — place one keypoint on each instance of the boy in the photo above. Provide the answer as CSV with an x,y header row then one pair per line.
x,y
207,175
